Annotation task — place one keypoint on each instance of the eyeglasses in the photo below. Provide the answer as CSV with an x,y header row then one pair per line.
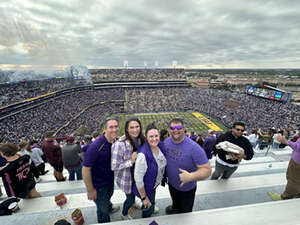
x,y
238,129
176,127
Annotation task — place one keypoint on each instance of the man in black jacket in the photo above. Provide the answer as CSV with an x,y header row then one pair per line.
x,y
227,162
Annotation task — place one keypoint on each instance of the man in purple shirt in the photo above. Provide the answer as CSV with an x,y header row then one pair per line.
x,y
209,142
186,164
292,188
96,171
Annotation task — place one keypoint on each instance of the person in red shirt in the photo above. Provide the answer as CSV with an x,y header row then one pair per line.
x,y
52,152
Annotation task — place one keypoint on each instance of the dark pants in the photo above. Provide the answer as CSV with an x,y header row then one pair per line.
x,y
41,168
34,170
128,203
103,203
148,212
222,171
77,170
292,188
183,201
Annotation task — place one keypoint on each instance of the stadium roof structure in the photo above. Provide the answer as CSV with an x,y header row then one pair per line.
x,y
275,89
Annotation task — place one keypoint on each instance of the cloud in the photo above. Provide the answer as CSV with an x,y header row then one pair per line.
x,y
195,33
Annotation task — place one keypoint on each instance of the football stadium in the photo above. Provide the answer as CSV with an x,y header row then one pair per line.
x,y
79,107
149,112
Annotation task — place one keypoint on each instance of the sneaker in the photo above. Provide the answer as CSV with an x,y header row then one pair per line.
x,y
114,209
169,210
37,180
274,196
156,210
138,204
127,217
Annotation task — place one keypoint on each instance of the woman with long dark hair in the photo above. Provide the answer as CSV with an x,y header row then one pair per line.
x,y
123,156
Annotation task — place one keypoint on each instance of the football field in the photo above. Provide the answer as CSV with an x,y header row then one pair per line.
x,y
194,121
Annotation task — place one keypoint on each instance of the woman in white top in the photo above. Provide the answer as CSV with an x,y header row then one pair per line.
x,y
149,169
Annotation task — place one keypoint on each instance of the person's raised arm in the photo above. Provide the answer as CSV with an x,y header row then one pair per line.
x,y
202,172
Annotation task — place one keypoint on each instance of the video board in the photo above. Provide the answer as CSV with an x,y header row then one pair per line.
x,y
268,93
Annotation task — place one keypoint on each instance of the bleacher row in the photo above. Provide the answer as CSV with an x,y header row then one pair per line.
x,y
240,200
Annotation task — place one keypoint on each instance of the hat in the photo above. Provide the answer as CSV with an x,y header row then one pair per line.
x,y
62,222
70,139
210,131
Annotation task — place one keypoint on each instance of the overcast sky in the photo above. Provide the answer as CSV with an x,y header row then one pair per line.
x,y
195,33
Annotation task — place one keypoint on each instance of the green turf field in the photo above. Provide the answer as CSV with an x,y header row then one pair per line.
x,y
162,119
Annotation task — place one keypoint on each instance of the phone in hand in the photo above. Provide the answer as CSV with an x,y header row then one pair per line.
x,y
144,208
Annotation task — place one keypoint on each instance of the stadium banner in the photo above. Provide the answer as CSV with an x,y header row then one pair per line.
x,y
207,122
40,96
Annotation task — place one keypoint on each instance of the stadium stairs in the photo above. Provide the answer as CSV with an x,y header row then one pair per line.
x,y
240,200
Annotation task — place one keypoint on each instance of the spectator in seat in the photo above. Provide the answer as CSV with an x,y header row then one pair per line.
x,y
17,178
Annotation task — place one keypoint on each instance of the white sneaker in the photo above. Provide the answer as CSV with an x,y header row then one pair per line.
x,y
156,210
138,204
38,180
115,208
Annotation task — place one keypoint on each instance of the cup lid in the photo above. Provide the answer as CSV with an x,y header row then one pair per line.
x,y
12,205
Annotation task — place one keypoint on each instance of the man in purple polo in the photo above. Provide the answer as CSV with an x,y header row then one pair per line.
x,y
209,142
186,164
96,171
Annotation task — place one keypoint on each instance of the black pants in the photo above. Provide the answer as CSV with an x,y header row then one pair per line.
x,y
183,201
34,170
41,168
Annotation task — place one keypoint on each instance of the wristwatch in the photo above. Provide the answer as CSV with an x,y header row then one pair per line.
x,y
143,198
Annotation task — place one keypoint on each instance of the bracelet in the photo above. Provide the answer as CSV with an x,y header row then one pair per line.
x,y
144,198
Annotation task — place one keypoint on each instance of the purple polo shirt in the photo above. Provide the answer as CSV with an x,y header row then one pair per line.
x,y
296,150
185,155
98,157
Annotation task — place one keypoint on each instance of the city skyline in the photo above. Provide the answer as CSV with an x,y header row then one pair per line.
x,y
105,34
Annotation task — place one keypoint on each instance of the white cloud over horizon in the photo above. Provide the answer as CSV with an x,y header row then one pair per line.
x,y
195,33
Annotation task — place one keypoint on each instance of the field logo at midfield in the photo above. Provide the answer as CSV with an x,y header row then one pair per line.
x,y
207,122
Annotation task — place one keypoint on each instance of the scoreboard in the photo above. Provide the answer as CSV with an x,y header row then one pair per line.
x,y
269,93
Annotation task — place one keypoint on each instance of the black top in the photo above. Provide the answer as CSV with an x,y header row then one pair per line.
x,y
242,142
17,177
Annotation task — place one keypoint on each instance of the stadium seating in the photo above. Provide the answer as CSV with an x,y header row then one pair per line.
x,y
244,193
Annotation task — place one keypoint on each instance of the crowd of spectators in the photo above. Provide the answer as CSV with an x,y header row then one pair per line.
x,y
89,108
254,111
136,74
16,92
55,113
152,100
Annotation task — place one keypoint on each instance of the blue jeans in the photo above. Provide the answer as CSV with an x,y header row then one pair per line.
x,y
76,170
128,203
275,145
103,203
149,212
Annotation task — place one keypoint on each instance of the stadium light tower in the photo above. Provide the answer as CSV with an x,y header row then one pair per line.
x,y
125,63
174,64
